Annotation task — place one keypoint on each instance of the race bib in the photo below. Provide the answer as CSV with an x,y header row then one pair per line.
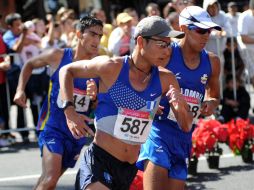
x,y
81,101
132,125
194,105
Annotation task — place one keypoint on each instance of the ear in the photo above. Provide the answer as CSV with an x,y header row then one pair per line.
x,y
140,42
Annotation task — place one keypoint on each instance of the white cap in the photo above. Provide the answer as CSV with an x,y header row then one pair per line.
x,y
197,16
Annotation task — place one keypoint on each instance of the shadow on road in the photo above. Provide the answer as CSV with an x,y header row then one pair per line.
x,y
19,146
25,146
196,182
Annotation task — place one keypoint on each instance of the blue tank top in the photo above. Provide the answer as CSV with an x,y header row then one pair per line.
x,y
52,115
192,82
125,113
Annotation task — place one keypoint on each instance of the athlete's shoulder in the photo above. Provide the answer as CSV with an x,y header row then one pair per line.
x,y
55,52
213,58
215,63
109,62
167,78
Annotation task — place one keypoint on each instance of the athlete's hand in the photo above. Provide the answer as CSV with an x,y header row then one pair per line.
x,y
176,99
91,89
77,123
207,108
180,108
20,98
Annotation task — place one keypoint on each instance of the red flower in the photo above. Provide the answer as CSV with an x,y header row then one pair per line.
x,y
240,131
205,136
221,132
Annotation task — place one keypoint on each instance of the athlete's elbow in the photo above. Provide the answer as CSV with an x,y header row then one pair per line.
x,y
65,72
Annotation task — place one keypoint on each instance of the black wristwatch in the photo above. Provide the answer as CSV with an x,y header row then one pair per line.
x,y
67,103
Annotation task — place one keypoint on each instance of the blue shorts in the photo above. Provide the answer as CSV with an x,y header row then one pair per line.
x,y
172,154
59,143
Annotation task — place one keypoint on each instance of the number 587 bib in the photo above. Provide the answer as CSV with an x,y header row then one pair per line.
x,y
132,125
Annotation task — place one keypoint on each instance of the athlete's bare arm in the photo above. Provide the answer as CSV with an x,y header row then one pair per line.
x,y
177,102
101,67
212,97
50,57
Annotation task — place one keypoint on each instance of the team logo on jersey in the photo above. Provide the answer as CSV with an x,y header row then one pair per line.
x,y
150,105
177,75
159,149
204,79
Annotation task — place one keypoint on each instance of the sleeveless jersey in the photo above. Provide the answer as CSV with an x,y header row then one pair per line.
x,y
192,83
52,115
125,113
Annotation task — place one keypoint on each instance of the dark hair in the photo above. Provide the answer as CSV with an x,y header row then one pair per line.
x,y
87,22
10,18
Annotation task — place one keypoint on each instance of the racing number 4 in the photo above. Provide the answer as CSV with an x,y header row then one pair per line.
x,y
133,125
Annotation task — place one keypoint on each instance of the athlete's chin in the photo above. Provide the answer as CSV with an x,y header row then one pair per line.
x,y
161,62
202,45
94,51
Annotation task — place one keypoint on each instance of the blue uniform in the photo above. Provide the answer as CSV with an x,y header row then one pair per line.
x,y
55,133
168,146
126,114
132,110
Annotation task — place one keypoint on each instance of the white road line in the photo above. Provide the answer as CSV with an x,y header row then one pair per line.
x,y
71,172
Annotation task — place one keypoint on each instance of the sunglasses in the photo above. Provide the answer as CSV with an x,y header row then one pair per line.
x,y
199,30
159,43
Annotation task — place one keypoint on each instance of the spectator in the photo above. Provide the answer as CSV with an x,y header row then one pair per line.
x,y
177,5
173,21
121,40
217,40
2,29
246,31
67,29
53,37
133,13
232,108
15,39
40,27
107,29
233,16
30,50
239,65
4,114
152,9
37,85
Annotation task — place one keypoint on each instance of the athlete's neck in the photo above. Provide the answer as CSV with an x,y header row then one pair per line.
x,y
81,55
141,70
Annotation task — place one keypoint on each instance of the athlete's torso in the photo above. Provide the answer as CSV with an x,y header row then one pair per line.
x,y
192,83
52,114
125,113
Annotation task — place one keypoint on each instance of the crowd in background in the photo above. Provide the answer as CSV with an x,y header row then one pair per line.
x,y
24,39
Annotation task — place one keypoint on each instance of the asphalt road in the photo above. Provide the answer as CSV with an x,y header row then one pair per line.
x,y
20,166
